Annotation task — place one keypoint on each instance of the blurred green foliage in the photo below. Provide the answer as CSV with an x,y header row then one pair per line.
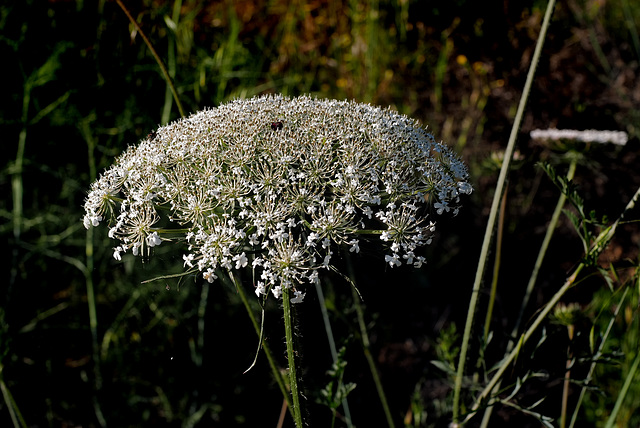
x,y
79,86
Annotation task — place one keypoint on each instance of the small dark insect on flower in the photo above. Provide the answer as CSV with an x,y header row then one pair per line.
x,y
277,125
151,135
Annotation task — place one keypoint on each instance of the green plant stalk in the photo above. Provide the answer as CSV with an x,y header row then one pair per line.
x,y
536,269
171,61
441,67
14,412
496,268
93,325
116,323
371,66
88,273
599,245
567,381
332,345
367,353
265,347
293,378
523,339
364,338
633,30
545,245
623,392
16,182
596,357
493,214
165,73
202,309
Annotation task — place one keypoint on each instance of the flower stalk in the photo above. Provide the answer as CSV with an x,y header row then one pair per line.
x,y
291,357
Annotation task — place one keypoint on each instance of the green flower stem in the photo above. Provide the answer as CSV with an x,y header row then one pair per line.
x,y
265,347
293,379
493,214
93,326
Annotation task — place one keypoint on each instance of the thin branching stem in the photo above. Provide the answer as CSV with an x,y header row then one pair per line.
x,y
598,246
555,217
596,357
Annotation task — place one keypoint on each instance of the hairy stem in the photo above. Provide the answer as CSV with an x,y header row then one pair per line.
x,y
293,379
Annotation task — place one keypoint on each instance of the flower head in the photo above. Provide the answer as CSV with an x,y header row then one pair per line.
x,y
587,136
280,182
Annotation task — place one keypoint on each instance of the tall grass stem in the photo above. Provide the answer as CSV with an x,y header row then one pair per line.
x,y
85,130
332,345
496,268
16,417
494,211
165,73
611,422
171,61
545,244
364,336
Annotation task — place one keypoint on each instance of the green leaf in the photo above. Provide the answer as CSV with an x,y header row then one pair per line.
x,y
444,367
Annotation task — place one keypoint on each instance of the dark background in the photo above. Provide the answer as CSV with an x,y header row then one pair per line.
x,y
80,85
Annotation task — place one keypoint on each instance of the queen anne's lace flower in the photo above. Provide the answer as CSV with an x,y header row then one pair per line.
x,y
280,182
587,136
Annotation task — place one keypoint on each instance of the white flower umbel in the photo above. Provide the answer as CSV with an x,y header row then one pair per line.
x,y
587,136
276,183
